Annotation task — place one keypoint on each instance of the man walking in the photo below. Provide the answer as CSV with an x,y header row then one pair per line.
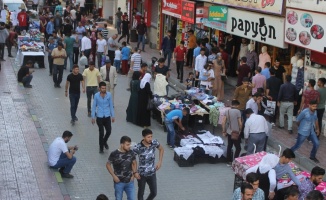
x,y
3,37
141,31
287,98
191,46
168,45
255,131
112,46
124,169
308,128
146,167
200,62
109,76
118,15
69,47
92,78
103,108
125,25
58,55
50,46
73,83
134,65
86,46
273,85
243,70
180,55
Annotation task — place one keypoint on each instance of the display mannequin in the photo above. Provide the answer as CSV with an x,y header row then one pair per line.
x,y
263,57
252,57
297,79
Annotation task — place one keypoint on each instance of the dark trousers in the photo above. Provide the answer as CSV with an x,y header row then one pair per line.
x,y
197,82
297,107
151,181
75,56
102,123
50,59
124,34
237,145
167,55
273,118
57,74
111,55
190,55
320,114
9,46
87,53
180,69
2,50
74,100
90,91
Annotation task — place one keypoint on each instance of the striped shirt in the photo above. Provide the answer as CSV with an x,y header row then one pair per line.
x,y
136,58
105,32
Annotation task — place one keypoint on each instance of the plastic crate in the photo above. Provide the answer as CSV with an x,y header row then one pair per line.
x,y
183,162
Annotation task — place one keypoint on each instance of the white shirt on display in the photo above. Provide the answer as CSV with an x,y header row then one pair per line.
x,y
57,147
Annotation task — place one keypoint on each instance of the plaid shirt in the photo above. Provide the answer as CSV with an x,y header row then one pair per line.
x,y
258,195
305,187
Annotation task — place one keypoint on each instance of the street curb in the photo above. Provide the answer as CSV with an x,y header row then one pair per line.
x,y
40,132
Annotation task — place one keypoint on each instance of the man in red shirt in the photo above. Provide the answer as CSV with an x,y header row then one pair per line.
x,y
23,19
179,56
243,70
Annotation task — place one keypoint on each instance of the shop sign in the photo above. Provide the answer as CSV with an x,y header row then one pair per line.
x,y
267,6
188,11
218,13
305,29
313,5
214,24
254,26
172,8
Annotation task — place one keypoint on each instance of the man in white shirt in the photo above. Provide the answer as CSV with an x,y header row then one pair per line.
x,y
254,102
255,129
86,46
101,46
61,156
73,17
200,62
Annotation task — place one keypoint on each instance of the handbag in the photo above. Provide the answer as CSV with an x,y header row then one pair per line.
x,y
234,134
150,104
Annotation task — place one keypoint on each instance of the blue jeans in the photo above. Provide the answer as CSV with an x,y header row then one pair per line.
x,y
141,39
168,54
27,80
65,162
74,100
127,187
70,56
57,74
118,26
117,64
302,138
171,132
90,92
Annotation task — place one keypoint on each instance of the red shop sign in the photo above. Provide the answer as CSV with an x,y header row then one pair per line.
x,y
172,8
188,12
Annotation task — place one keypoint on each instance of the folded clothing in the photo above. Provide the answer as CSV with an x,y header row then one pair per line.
x,y
184,151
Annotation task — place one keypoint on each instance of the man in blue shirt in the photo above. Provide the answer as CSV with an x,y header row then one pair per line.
x,y
196,52
103,109
308,128
49,27
125,53
174,116
265,71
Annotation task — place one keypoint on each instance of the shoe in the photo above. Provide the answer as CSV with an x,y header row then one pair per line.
x,y
66,175
128,89
280,127
290,131
89,114
76,119
72,121
106,146
58,86
101,151
314,159
171,147
273,124
61,170
181,81
55,85
2,60
28,86
10,56
143,50
178,77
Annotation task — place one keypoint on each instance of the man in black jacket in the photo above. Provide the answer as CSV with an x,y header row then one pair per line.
x,y
168,46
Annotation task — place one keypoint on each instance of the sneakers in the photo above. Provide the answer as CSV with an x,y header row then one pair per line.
x,y
66,175
28,86
76,119
101,151
314,159
106,146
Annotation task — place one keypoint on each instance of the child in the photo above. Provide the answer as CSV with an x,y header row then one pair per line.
x,y
117,59
190,81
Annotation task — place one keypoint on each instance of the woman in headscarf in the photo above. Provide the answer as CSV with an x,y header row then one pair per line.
x,y
267,175
133,100
219,71
144,95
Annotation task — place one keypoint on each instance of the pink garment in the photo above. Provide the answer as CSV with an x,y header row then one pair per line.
x,y
222,110
259,81
263,58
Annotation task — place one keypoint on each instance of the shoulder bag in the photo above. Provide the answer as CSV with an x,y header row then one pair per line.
x,y
234,134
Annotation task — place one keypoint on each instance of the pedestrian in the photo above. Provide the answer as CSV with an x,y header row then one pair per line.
x,y
142,32
280,72
230,50
191,46
246,192
321,103
105,32
50,46
308,128
175,116
73,82
243,49
243,71
69,47
200,62
101,47
59,9
103,110
73,16
117,59
232,122
125,26
58,55
3,37
145,95
179,56
168,45
102,197
124,169
92,78
252,179
132,109
93,38
315,195
219,73
287,98
109,76
190,81
135,62
164,70
292,193
11,40
79,31
125,54
58,22
208,76
67,27
309,184
112,45
23,19
273,86
61,156
196,53
308,95
24,74
254,102
255,131
258,81
146,164
265,71
75,46
118,15
86,46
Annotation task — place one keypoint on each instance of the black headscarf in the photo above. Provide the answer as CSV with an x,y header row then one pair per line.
x,y
136,75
